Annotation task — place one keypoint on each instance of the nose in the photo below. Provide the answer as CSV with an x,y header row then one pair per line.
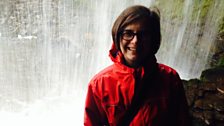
x,y
135,39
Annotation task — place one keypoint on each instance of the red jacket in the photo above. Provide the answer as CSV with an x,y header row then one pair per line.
x,y
111,92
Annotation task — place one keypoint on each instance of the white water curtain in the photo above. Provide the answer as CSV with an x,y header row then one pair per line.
x,y
50,49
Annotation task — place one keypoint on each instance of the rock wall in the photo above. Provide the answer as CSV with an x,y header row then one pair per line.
x,y
206,97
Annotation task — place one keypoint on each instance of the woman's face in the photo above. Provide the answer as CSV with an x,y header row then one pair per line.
x,y
135,43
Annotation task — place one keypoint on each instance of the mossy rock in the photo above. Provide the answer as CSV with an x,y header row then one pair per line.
x,y
217,51
221,25
198,122
221,61
192,82
213,75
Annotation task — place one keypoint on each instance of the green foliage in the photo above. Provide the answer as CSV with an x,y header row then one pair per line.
x,y
221,25
201,9
221,61
177,9
174,9
171,8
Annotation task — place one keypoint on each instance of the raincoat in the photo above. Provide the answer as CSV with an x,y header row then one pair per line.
x,y
155,89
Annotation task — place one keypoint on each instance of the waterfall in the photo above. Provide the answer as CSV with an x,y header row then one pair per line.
x,y
50,49
188,32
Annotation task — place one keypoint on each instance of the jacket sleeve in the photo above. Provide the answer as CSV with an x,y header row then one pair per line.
x,y
93,112
180,104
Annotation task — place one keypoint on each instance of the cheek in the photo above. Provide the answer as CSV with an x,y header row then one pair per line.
x,y
122,45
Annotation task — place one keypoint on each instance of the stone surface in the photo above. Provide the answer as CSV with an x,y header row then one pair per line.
x,y
206,98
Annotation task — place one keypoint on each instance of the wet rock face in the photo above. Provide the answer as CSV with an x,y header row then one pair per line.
x,y
213,75
206,98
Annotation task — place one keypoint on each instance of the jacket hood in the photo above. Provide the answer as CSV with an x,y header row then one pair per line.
x,y
114,54
117,57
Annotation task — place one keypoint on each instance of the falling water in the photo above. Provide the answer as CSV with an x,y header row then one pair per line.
x,y
186,38
50,49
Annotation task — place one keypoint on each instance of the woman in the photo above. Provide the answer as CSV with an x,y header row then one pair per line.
x,y
136,90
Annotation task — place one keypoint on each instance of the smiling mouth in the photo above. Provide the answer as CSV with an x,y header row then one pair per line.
x,y
132,49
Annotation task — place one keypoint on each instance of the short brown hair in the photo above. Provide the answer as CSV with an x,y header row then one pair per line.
x,y
134,13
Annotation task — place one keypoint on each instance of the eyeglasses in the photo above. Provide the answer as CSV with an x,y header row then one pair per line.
x,y
128,35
